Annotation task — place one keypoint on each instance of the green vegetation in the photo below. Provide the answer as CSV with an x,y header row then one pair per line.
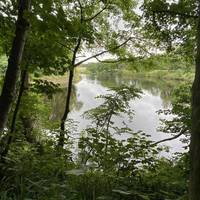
x,y
103,168
159,66
44,155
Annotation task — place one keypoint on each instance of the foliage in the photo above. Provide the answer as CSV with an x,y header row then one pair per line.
x,y
3,63
106,166
171,24
100,143
169,66
45,87
100,164
180,112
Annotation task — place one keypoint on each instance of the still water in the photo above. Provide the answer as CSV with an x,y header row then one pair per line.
x,y
156,95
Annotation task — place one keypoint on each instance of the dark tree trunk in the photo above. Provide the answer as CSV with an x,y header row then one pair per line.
x,y
23,86
8,138
195,136
61,139
67,110
13,69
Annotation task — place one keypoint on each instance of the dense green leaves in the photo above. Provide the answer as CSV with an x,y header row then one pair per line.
x,y
106,160
172,24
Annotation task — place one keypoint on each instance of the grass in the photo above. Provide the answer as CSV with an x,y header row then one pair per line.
x,y
63,80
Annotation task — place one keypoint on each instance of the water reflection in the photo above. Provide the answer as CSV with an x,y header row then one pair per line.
x,y
58,102
156,95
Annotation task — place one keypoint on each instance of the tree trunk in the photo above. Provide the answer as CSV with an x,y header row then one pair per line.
x,y
61,139
23,86
13,69
194,187
62,125
9,137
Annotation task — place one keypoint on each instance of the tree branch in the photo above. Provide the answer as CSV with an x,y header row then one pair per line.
x,y
114,61
76,50
103,52
81,8
95,15
171,138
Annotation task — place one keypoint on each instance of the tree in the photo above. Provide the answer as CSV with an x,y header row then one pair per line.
x,y
95,25
195,137
41,55
13,69
184,18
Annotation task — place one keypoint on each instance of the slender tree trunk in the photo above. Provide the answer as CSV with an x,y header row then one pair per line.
x,y
13,69
67,110
9,137
24,78
61,139
195,136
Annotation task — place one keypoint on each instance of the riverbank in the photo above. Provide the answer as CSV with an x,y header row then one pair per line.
x,y
179,74
170,67
163,74
63,80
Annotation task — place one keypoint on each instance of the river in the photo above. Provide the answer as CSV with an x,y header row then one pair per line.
x,y
156,95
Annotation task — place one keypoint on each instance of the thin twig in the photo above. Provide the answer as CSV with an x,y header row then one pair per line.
x,y
96,15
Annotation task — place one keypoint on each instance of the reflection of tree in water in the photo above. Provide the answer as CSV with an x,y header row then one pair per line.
x,y
58,102
156,87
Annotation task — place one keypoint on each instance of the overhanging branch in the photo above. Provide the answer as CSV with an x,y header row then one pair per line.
x,y
114,61
103,52
171,138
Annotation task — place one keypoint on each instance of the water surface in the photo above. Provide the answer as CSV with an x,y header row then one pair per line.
x,y
156,95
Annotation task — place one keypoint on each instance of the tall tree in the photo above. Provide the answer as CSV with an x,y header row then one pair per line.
x,y
195,137
41,55
95,28
180,22
13,69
